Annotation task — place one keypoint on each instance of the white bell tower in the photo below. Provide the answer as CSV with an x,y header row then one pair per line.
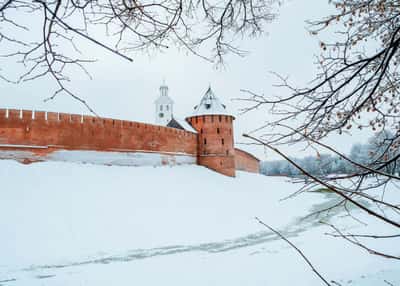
x,y
164,106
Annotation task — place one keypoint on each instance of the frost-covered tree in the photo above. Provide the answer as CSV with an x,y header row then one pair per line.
x,y
43,38
357,87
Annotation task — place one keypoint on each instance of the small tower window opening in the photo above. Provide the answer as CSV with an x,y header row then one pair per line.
x,y
205,141
222,141
207,104
217,130
226,118
197,120
201,130
220,118
204,118
161,107
167,107
212,118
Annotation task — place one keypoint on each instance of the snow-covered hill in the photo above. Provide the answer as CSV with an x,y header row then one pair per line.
x,y
75,224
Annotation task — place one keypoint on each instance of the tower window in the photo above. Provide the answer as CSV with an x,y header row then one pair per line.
x,y
205,141
212,118
217,130
220,118
201,130
222,141
197,120
167,107
226,118
161,107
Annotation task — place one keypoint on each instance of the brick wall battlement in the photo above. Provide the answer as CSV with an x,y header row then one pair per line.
x,y
39,134
83,132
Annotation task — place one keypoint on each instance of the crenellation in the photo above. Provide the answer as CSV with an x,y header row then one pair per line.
x,y
27,115
13,114
212,145
87,120
52,117
75,118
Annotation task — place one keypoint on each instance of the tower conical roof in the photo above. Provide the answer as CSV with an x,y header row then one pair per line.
x,y
210,105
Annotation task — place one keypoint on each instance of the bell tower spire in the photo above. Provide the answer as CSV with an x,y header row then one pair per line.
x,y
164,106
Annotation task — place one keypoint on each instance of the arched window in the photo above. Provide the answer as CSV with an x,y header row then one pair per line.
x,y
201,130
217,130
222,141
205,141
220,118
167,107
161,107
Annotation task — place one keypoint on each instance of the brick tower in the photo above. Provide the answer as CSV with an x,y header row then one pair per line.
x,y
215,134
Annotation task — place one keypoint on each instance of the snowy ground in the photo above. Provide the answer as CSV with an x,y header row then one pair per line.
x,y
71,224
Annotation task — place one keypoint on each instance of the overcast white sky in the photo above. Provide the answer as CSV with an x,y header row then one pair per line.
x,y
127,90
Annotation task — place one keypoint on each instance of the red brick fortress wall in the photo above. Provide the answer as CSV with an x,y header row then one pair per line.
x,y
215,142
246,162
77,132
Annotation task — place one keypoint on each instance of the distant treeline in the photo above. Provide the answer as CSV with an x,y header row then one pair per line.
x,y
370,154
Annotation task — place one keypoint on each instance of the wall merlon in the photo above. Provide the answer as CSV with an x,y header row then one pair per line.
x,y
13,114
52,116
3,113
27,115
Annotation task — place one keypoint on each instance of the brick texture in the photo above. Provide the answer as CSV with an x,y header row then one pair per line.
x,y
76,132
213,145
215,142
246,162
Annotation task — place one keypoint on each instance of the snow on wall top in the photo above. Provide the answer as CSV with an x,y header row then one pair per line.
x,y
185,125
210,105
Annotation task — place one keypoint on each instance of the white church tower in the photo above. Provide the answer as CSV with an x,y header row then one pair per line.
x,y
164,106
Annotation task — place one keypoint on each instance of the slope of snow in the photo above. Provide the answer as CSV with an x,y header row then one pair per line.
x,y
75,224
115,158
